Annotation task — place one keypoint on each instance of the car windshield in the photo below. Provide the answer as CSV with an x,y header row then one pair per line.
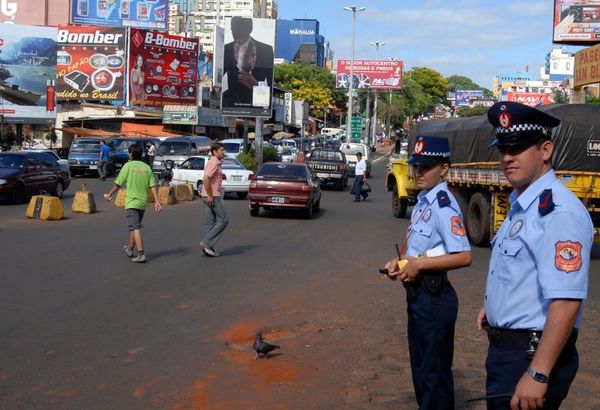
x,y
353,150
12,161
85,146
326,155
123,145
286,150
284,171
230,163
174,148
232,147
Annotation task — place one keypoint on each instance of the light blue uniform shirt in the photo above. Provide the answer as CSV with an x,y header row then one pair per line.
x,y
432,225
536,258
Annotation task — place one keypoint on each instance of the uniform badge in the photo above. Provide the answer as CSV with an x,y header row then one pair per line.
x,y
457,226
505,120
516,228
427,215
568,256
419,147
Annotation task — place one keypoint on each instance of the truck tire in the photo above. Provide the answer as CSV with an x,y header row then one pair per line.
x,y
399,205
478,219
254,210
463,204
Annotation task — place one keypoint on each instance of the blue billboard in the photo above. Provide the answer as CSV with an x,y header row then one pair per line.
x,y
299,40
463,97
151,14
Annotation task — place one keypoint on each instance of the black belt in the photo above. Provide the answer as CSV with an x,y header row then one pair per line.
x,y
519,338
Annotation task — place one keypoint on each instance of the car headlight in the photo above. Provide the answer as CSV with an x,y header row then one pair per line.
x,y
3,182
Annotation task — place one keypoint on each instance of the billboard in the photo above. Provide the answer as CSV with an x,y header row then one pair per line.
x,y
34,12
247,67
152,14
180,114
587,66
463,97
374,74
531,99
90,63
163,69
27,74
576,22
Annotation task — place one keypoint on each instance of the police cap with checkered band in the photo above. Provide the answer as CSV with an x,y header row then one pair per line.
x,y
429,151
519,125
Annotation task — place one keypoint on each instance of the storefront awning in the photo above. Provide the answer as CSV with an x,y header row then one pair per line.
x,y
130,129
88,132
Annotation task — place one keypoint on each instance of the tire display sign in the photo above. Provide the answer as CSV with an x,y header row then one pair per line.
x,y
152,14
531,99
90,63
374,74
163,69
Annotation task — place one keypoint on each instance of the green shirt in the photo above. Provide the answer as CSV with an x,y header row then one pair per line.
x,y
138,177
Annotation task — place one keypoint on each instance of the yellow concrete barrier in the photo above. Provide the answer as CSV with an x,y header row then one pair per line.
x,y
184,192
45,207
84,201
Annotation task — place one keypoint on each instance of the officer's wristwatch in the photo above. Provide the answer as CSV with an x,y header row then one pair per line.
x,y
537,376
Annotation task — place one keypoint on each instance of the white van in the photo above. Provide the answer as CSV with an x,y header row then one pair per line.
x,y
331,131
233,147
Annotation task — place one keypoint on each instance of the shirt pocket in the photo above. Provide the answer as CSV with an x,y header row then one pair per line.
x,y
509,268
421,237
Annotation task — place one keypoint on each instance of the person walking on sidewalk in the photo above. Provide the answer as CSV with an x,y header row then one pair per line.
x,y
359,172
138,178
216,218
103,160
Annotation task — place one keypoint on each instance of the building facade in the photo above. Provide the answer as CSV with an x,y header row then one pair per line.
x,y
559,65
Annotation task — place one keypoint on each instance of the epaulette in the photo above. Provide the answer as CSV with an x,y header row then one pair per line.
x,y
546,204
443,199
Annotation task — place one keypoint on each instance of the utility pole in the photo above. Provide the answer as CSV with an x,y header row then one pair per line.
x,y
374,133
353,9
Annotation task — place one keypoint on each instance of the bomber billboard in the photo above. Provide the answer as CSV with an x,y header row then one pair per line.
x,y
247,61
374,74
27,74
90,63
152,14
576,22
163,69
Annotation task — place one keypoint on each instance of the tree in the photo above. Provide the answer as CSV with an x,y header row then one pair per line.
x,y
434,85
472,112
460,82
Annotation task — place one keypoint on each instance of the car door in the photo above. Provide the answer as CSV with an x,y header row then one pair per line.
x,y
49,171
32,177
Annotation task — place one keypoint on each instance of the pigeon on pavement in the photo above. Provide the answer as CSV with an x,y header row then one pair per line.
x,y
262,348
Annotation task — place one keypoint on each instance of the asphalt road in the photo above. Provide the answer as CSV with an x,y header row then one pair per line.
x,y
81,326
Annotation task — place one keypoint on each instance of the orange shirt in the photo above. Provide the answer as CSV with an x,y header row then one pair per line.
x,y
215,177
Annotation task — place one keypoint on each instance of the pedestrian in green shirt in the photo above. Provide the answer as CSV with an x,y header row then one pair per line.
x,y
138,178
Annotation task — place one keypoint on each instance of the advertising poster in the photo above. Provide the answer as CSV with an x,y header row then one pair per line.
x,y
374,74
163,69
180,114
576,22
27,74
34,12
531,99
90,63
219,44
462,98
248,67
152,14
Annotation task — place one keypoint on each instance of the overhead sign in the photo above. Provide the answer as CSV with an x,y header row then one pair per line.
x,y
531,99
180,114
356,128
375,74
152,14
287,108
90,63
576,22
27,74
464,97
163,69
587,66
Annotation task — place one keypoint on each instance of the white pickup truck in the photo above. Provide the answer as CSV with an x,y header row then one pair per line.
x,y
350,150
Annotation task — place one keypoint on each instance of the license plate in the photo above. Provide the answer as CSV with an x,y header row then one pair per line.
x,y
236,178
93,166
277,199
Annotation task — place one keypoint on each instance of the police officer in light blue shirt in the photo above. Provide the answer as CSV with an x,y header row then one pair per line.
x,y
538,272
436,242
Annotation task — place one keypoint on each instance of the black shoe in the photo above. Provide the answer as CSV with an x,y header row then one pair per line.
x,y
356,200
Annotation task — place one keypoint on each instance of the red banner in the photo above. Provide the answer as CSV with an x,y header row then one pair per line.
x,y
90,63
375,74
163,69
531,99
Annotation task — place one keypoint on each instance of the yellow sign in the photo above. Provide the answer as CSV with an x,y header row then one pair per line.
x,y
587,66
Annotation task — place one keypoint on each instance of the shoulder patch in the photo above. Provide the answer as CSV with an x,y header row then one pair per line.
x,y
443,199
567,257
457,226
546,205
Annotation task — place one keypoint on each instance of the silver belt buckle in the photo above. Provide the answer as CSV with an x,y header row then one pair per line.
x,y
534,340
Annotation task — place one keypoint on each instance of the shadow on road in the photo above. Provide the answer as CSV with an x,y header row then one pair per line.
x,y
177,251
238,250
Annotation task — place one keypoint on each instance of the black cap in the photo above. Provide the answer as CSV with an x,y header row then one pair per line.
x,y
518,124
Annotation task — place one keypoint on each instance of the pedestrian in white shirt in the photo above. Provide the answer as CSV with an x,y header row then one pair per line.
x,y
359,171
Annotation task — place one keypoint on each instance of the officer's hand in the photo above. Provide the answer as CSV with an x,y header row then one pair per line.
x,y
529,394
411,270
392,267
481,319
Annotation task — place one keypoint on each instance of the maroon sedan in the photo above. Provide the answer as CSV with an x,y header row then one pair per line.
x,y
279,185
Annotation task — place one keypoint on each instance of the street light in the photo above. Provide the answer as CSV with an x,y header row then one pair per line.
x,y
373,134
353,9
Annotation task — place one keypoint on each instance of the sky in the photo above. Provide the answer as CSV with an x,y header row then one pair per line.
x,y
475,38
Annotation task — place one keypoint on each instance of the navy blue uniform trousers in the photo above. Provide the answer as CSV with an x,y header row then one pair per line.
x,y
506,366
431,321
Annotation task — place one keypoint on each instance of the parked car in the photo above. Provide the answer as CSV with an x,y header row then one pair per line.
x,y
280,185
178,149
350,150
25,173
84,155
329,166
236,177
63,163
119,150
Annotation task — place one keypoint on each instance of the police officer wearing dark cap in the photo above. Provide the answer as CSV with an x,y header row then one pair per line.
x,y
538,272
435,243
